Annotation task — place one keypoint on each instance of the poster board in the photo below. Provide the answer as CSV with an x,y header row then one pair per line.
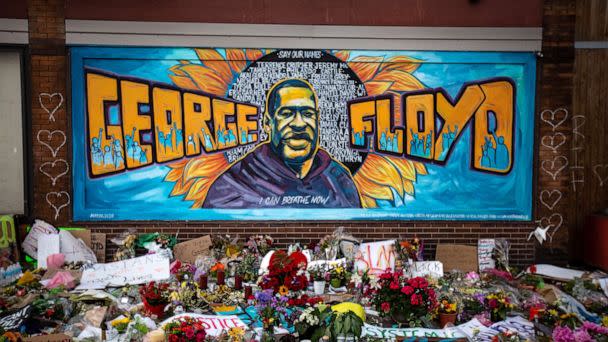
x,y
457,257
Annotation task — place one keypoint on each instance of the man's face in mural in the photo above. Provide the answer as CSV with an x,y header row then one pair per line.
x,y
293,119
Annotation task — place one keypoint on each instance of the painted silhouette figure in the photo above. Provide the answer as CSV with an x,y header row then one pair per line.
x,y
96,152
108,160
502,152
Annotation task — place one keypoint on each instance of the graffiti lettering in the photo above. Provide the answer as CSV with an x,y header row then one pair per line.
x,y
489,105
134,123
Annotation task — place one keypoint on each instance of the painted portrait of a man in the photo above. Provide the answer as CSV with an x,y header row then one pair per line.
x,y
290,170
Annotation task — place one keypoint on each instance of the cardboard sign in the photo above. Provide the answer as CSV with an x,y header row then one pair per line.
x,y
82,234
189,250
75,249
214,325
49,338
15,319
484,253
98,245
457,257
144,269
376,256
427,268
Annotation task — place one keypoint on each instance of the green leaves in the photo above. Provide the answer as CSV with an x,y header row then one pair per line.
x,y
344,324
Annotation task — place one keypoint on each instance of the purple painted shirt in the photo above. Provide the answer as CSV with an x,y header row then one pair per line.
x,y
262,180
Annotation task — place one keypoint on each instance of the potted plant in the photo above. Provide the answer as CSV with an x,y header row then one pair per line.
x,y
346,326
312,324
339,277
185,329
270,309
447,311
405,301
319,276
155,297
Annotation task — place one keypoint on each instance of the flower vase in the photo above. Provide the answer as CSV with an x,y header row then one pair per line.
x,y
335,283
445,318
497,315
319,287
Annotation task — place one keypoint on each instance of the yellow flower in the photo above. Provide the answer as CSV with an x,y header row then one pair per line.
x,y
118,322
236,332
605,321
283,290
553,312
26,278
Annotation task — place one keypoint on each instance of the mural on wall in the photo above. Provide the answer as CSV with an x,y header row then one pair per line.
x,y
208,134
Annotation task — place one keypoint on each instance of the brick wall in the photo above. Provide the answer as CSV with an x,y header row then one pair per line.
x,y
49,74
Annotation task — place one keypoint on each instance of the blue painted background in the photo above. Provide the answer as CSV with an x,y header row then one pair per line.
x,y
450,192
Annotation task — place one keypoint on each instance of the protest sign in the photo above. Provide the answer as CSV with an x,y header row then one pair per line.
x,y
15,319
214,325
376,257
30,244
140,270
75,249
189,250
391,333
427,268
484,254
457,257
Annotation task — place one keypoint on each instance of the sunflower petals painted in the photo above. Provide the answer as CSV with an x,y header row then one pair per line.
x,y
377,88
215,61
365,66
236,59
402,81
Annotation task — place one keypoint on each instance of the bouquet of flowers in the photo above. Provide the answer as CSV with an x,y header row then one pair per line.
x,y
312,322
270,309
318,273
126,246
405,301
155,297
185,329
407,250
587,332
285,273
446,305
249,266
499,304
260,244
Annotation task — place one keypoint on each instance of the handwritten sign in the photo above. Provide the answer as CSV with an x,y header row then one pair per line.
x,y
391,333
474,328
484,254
48,244
30,243
214,325
189,250
427,268
140,270
75,249
98,245
457,257
376,256
49,338
15,319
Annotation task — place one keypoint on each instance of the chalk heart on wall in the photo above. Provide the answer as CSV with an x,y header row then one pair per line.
x,y
555,166
553,142
50,103
50,168
58,201
555,118
550,198
48,139
601,172
554,221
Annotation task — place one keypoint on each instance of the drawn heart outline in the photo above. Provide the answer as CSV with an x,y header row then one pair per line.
x,y
52,165
553,147
58,195
50,112
550,225
50,138
553,175
601,178
553,117
550,194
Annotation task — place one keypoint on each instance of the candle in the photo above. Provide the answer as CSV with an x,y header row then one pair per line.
x,y
238,282
221,277
248,292
202,282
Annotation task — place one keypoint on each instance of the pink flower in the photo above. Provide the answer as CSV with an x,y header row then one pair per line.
x,y
386,307
416,299
493,303
394,285
189,332
408,290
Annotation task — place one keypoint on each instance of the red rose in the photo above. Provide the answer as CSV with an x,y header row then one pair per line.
x,y
386,307
408,290
189,332
394,285
200,337
173,338
533,269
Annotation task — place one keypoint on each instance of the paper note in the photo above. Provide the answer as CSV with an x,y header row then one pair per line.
x,y
75,249
48,244
30,243
140,270
376,256
98,245
484,254
427,268
189,250
457,257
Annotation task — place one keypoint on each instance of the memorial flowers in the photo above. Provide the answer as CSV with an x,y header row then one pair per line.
x,y
155,297
185,329
499,305
406,301
286,273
